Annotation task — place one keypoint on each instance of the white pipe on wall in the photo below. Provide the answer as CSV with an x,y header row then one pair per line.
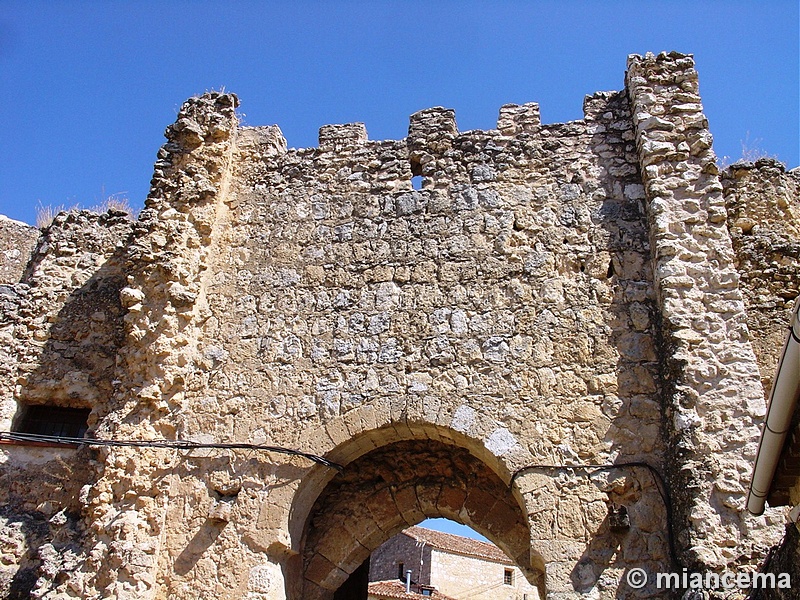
x,y
782,402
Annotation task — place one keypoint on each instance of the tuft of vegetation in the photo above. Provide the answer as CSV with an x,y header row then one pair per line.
x,y
751,152
46,214
115,202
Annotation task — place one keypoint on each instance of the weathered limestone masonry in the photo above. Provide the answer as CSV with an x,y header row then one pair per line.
x,y
713,396
19,241
763,220
764,224
62,327
165,300
553,296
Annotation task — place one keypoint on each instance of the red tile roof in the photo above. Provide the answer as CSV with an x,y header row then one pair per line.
x,y
395,588
457,544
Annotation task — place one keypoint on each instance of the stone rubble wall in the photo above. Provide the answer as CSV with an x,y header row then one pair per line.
x,y
713,400
763,204
553,295
19,241
164,298
61,323
509,299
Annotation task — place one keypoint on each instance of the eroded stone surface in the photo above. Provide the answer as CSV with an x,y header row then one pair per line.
x,y
761,200
19,241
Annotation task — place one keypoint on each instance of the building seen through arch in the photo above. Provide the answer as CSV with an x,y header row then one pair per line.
x,y
423,560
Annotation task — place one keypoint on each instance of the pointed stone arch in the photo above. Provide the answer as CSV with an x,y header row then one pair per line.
x,y
398,481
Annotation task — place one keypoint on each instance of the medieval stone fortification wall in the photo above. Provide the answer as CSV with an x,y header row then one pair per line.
x,y
553,296
764,224
61,325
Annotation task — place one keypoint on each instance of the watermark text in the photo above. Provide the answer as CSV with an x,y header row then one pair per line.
x,y
638,578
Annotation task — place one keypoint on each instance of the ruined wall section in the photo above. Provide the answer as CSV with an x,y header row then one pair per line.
x,y
62,325
509,299
306,298
763,204
18,241
74,320
713,396
124,510
63,319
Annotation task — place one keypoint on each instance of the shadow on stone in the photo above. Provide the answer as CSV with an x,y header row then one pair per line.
x,y
199,544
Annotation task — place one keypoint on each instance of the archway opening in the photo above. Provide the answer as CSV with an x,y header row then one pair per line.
x,y
397,486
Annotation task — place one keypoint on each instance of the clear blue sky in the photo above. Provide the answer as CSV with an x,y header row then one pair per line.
x,y
449,526
90,86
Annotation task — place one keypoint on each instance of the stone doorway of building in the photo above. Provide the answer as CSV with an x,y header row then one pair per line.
x,y
395,486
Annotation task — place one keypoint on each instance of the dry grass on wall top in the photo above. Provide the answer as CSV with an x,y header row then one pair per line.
x,y
751,152
46,214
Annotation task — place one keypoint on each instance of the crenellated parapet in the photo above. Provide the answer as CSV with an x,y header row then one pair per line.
x,y
342,136
518,118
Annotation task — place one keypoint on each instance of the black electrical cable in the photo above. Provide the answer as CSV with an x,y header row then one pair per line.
x,y
659,480
14,436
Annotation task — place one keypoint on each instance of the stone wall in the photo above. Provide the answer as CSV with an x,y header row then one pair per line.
x,y
384,562
469,577
61,323
763,204
713,399
509,299
553,296
19,241
784,558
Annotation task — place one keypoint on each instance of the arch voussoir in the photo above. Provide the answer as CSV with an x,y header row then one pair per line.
x,y
428,496
324,572
408,504
384,510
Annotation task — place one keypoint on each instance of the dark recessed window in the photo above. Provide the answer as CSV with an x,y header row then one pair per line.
x,y
401,575
508,577
40,419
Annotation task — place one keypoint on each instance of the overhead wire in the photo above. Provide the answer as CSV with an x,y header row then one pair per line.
x,y
15,436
